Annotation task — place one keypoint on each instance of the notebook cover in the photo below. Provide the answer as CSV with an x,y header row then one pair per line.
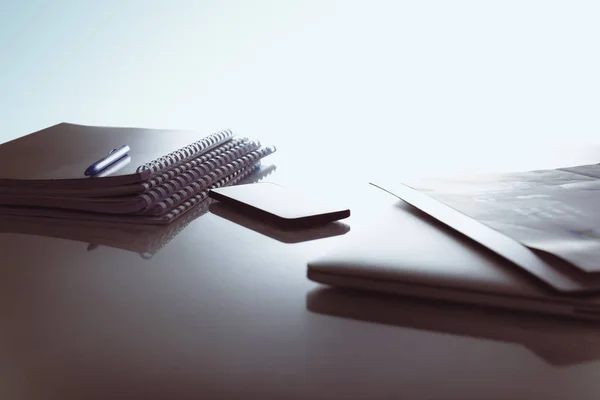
x,y
58,156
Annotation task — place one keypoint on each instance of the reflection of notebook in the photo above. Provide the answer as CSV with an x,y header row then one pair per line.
x,y
139,238
166,168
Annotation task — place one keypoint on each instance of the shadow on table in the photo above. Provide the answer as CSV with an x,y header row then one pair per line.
x,y
274,232
558,341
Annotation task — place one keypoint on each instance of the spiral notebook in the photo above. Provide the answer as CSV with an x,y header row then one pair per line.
x,y
146,240
156,187
249,175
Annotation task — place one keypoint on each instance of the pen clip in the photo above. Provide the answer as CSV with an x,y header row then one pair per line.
x,y
113,157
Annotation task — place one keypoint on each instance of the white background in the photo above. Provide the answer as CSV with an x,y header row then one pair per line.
x,y
434,77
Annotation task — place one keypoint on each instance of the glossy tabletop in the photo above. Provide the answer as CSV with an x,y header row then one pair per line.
x,y
219,306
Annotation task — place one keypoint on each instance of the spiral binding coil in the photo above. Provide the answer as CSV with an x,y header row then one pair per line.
x,y
185,153
208,180
201,197
204,165
171,173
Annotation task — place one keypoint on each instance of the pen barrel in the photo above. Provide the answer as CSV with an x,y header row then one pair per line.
x,y
110,159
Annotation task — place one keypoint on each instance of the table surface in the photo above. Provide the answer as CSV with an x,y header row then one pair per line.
x,y
220,307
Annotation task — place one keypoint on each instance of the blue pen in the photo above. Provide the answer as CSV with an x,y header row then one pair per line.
x,y
110,159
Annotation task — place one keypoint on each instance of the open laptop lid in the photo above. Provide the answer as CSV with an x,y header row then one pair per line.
x,y
553,271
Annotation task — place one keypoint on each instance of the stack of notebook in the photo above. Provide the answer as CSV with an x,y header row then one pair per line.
x,y
144,239
160,175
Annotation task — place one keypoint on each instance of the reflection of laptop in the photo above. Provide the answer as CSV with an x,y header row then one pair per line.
x,y
410,254
558,341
